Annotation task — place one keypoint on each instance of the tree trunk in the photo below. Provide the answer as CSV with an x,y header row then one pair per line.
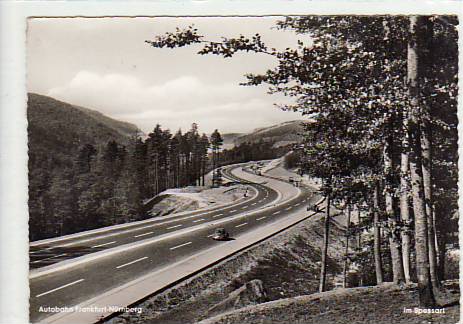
x,y
177,178
156,175
427,167
394,237
442,252
346,252
404,202
359,238
425,290
325,244
213,166
377,236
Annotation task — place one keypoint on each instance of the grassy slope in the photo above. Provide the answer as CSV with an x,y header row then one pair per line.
x,y
380,304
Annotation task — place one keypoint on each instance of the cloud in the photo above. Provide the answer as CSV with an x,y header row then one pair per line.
x,y
174,104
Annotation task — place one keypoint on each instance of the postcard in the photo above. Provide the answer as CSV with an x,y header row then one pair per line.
x,y
260,166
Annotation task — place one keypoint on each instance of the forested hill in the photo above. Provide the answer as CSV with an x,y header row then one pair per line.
x,y
280,134
57,131
58,125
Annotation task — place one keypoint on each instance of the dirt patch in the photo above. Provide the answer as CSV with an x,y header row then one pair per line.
x,y
380,304
287,265
192,198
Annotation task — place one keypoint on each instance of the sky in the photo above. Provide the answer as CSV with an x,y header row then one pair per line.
x,y
104,64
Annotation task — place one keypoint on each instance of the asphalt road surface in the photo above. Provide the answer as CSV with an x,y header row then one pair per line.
x,y
83,281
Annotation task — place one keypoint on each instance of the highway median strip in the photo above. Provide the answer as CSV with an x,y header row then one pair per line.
x,y
52,257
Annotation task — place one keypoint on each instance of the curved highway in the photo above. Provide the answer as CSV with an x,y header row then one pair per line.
x,y
67,271
53,251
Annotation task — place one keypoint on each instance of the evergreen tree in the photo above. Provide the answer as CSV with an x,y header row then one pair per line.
x,y
216,143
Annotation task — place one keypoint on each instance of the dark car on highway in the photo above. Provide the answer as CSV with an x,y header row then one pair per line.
x,y
221,234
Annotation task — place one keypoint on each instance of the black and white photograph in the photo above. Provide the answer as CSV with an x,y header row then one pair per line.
x,y
243,169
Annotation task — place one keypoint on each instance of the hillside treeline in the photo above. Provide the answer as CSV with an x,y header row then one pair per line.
x,y
252,151
107,184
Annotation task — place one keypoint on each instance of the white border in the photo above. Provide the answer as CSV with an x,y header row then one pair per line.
x,y
13,125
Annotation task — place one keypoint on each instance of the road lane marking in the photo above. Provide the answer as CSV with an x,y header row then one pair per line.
x,y
244,207
241,225
289,208
232,211
215,216
131,262
99,245
261,218
52,257
61,287
277,212
175,226
198,220
253,204
179,246
144,234
297,204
